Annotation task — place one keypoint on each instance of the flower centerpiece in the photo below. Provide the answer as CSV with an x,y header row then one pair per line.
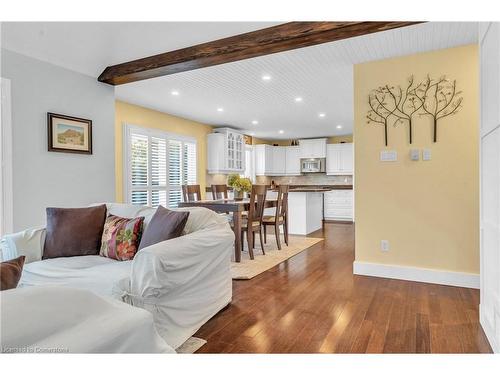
x,y
240,185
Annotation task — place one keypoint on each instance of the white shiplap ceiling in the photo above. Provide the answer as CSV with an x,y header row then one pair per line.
x,y
321,75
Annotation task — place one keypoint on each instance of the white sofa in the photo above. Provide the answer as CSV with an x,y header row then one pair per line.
x,y
54,319
183,282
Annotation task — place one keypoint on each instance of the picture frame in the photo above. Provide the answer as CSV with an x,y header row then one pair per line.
x,y
69,134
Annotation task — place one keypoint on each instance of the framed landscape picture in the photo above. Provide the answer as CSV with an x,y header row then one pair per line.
x,y
69,134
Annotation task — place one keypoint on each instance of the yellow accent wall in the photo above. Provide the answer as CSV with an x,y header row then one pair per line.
x,y
428,210
126,113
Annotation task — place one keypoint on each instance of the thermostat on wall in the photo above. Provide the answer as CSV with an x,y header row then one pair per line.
x,y
388,155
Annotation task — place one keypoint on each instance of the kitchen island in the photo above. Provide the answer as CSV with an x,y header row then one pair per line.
x,y
305,207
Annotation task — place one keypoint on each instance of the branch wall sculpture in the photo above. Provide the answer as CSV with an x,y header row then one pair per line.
x,y
435,98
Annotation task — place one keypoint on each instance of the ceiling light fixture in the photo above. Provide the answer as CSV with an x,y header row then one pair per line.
x,y
255,122
339,126
220,109
322,115
298,99
175,93
281,131
266,77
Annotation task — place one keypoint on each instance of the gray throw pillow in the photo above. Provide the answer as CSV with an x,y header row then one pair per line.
x,y
164,225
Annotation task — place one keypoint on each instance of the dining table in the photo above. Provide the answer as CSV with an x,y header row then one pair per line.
x,y
236,207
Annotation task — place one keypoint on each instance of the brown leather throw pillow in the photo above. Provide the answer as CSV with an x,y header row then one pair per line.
x,y
10,273
74,231
164,225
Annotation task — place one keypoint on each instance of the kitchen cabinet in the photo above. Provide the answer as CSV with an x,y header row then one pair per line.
x,y
340,159
338,205
312,148
292,167
263,160
225,151
276,160
279,161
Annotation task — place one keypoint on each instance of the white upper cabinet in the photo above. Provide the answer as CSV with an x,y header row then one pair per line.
x,y
263,160
312,148
225,151
340,159
277,160
292,161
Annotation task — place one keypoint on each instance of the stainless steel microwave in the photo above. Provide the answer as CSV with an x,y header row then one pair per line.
x,y
314,165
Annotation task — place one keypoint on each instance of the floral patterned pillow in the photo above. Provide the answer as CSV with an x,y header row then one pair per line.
x,y
121,237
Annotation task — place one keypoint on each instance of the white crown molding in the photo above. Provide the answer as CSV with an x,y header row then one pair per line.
x,y
425,275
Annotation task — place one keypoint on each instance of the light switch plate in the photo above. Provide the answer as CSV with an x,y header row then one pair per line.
x,y
415,154
388,155
427,154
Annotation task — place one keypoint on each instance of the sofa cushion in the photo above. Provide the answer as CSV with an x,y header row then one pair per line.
x,y
73,231
121,237
164,225
10,273
92,272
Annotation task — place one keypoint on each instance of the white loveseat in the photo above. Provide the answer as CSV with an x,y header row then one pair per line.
x,y
183,282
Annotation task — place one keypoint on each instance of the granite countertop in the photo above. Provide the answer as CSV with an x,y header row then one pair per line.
x,y
306,188
317,188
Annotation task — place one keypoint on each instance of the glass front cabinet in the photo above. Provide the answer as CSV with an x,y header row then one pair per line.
x,y
225,151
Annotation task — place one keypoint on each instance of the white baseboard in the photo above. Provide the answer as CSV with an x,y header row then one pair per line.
x,y
424,275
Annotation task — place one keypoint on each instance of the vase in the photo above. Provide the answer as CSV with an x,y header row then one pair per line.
x,y
238,195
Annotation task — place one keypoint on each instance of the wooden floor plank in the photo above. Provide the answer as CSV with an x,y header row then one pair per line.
x,y
312,303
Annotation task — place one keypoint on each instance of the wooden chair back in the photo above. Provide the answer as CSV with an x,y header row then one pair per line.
x,y
219,192
191,193
282,202
257,203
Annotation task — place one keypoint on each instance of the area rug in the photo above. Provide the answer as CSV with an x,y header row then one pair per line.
x,y
191,345
248,268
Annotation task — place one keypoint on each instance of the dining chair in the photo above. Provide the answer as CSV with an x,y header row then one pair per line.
x,y
191,193
253,223
219,192
280,217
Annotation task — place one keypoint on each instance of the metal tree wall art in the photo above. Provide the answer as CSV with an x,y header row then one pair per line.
x,y
379,112
437,99
407,103
441,99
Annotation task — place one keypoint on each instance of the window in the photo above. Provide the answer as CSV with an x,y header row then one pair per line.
x,y
158,164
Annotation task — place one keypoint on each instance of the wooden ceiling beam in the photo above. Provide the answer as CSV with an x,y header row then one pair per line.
x,y
284,37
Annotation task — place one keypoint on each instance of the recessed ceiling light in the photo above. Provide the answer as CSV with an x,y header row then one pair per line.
x,y
298,99
175,93
255,122
266,77
339,126
322,115
281,131
220,109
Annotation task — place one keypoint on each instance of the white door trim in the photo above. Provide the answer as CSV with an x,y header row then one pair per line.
x,y
6,189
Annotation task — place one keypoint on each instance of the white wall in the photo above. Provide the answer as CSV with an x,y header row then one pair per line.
x,y
42,178
490,182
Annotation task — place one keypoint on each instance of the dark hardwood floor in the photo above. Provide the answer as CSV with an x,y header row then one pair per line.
x,y
314,304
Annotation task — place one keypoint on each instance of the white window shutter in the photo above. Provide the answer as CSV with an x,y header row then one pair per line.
x,y
158,165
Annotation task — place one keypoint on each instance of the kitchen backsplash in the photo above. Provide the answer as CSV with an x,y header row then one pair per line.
x,y
310,179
